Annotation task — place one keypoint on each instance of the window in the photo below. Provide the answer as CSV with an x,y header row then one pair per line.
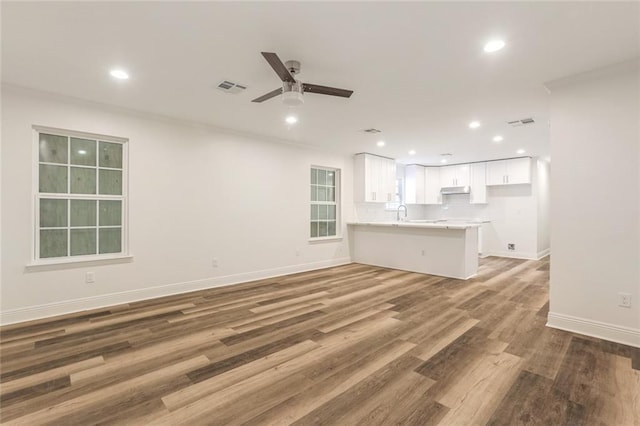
x,y
80,196
325,183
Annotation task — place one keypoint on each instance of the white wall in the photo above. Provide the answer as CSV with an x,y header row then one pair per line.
x,y
544,208
595,199
195,193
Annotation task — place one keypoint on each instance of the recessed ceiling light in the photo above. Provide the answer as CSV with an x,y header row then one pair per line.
x,y
119,74
82,152
412,152
474,124
498,138
521,151
380,143
494,46
443,161
291,119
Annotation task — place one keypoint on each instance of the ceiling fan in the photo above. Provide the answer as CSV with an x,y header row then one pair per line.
x,y
292,89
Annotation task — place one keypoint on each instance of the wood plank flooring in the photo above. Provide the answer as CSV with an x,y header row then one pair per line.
x,y
350,345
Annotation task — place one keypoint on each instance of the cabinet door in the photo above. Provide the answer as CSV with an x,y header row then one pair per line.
x,y
478,183
390,181
370,178
518,170
414,184
462,175
447,176
496,172
432,186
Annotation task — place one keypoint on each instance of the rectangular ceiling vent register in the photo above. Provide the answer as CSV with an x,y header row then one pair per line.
x,y
372,130
231,87
522,122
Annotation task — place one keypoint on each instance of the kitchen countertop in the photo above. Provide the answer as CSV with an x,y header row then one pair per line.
x,y
421,224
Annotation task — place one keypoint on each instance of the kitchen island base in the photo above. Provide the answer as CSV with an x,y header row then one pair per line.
x,y
449,251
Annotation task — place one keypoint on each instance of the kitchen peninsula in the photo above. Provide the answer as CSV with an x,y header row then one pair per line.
x,y
449,250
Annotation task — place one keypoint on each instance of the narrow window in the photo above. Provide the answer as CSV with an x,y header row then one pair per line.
x,y
325,212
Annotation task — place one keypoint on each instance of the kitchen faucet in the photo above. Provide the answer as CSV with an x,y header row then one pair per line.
x,y
398,212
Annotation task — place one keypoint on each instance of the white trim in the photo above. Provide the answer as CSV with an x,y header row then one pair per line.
x,y
512,254
601,330
77,261
325,239
544,253
77,305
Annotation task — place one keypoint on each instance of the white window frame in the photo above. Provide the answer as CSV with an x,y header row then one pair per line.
x,y
37,195
338,194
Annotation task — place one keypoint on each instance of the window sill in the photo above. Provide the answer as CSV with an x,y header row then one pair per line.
x,y
325,239
48,265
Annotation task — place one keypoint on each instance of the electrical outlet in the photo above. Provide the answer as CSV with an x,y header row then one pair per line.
x,y
90,278
511,246
214,262
624,300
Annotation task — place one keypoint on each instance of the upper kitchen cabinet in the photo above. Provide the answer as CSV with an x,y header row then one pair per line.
x,y
422,185
478,183
374,179
414,180
509,172
457,175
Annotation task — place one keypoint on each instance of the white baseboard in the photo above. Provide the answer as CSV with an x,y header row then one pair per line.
x,y
513,254
543,253
29,313
601,330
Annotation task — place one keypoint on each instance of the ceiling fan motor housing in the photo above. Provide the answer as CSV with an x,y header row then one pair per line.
x,y
292,93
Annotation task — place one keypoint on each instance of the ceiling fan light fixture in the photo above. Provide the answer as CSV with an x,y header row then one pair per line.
x,y
292,98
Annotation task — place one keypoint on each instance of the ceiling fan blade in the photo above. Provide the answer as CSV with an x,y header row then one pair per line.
x,y
278,67
269,95
324,90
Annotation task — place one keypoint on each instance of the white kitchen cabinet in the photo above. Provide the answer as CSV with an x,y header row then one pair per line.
x,y
478,183
457,175
374,179
414,184
432,194
509,172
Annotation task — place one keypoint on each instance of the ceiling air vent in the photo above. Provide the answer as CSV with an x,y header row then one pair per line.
x,y
230,87
522,122
372,130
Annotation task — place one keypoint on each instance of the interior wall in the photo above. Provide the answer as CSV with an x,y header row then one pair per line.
x,y
196,193
544,206
595,199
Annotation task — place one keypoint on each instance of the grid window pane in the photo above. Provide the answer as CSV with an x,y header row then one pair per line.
x,y
53,213
83,213
322,212
332,212
322,229
110,213
110,182
83,181
53,179
331,194
331,178
331,229
314,212
322,193
83,241
53,243
83,152
53,148
322,177
314,229
110,240
314,193
110,155
314,176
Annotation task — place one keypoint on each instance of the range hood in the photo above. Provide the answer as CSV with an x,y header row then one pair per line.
x,y
455,190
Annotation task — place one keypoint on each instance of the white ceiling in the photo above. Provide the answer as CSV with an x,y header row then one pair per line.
x,y
418,69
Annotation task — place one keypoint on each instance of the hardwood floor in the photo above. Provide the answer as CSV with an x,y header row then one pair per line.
x,y
347,345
